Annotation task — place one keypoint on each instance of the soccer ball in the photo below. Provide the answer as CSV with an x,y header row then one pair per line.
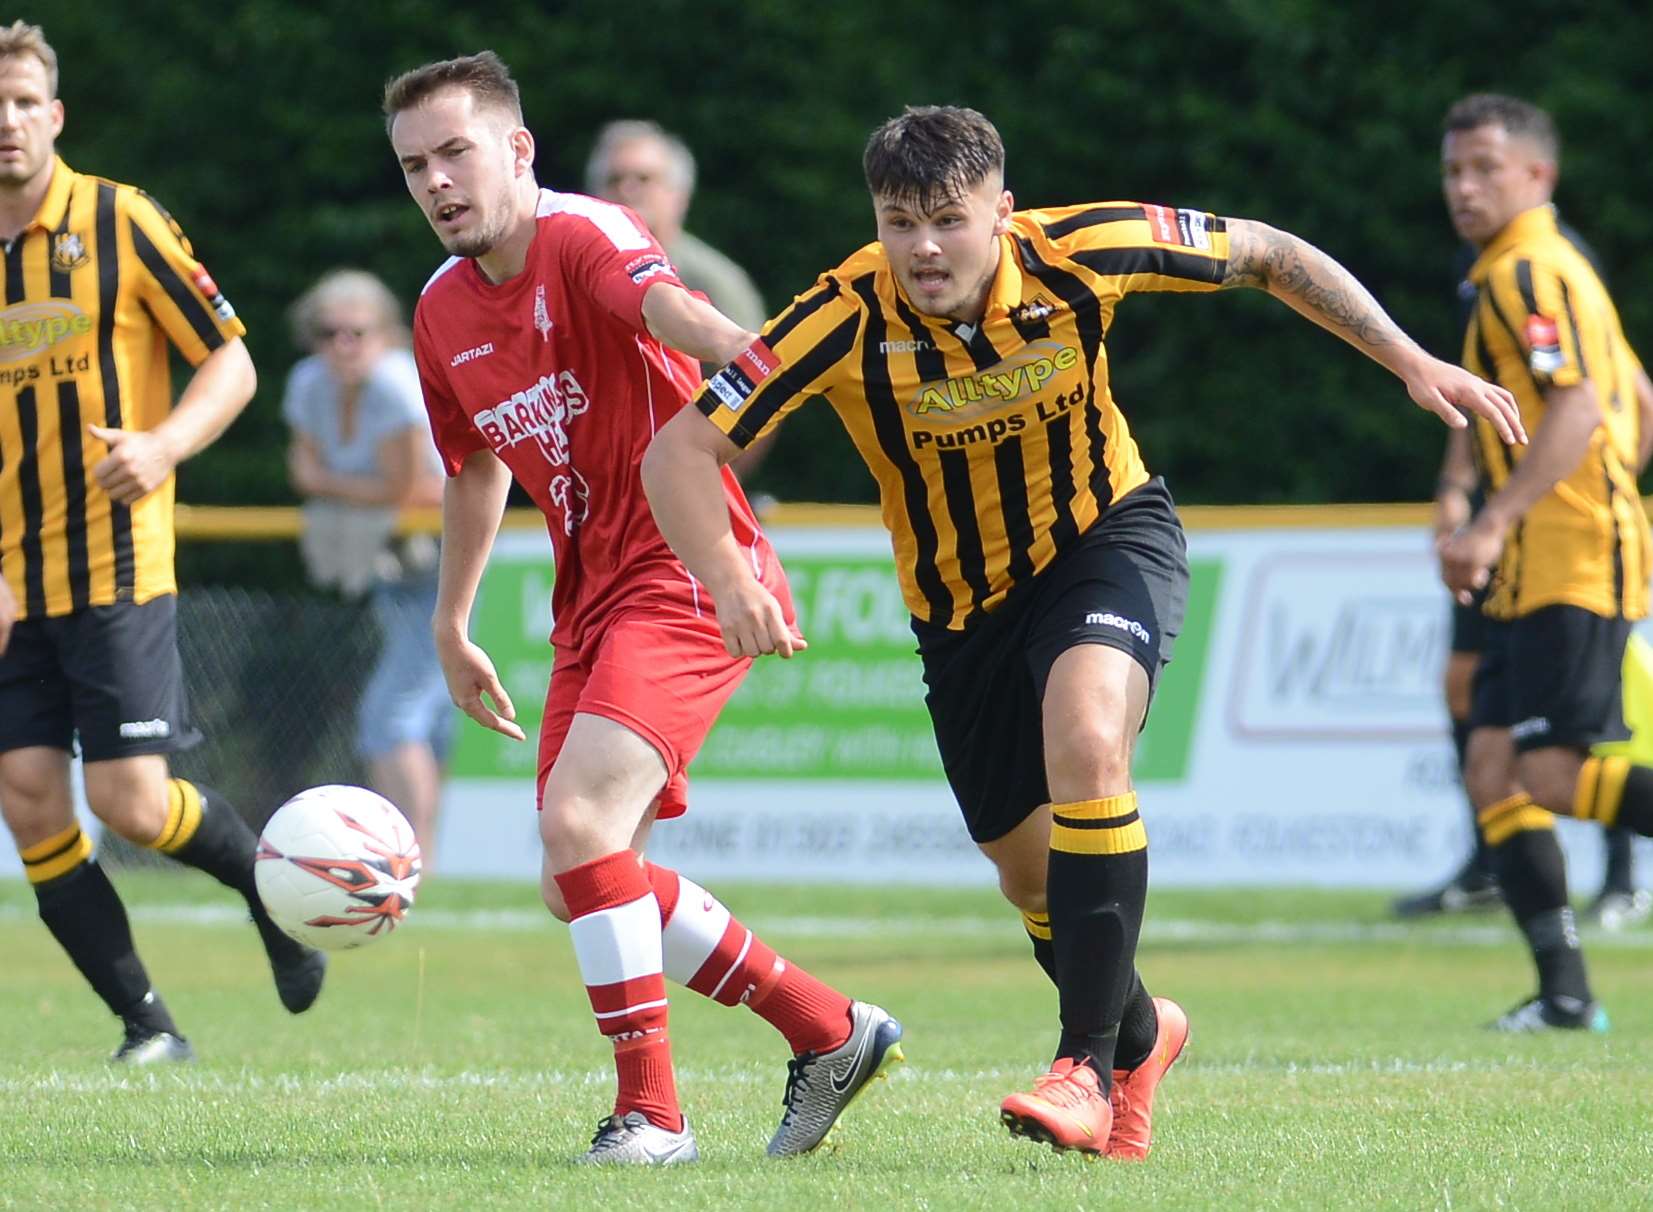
x,y
337,867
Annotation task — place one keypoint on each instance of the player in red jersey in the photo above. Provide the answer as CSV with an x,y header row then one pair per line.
x,y
552,346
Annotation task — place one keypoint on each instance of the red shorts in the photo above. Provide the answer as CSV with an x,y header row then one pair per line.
x,y
658,667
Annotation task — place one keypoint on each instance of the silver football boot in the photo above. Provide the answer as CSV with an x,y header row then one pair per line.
x,y
820,1085
634,1140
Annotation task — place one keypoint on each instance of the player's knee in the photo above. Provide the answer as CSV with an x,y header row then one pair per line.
x,y
552,895
1094,754
131,802
34,806
1026,894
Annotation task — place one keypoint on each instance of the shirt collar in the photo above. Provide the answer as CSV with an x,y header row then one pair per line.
x,y
56,202
1538,221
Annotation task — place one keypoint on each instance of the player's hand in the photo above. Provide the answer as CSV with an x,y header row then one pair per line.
x,y
8,614
137,464
753,623
1467,558
472,682
1451,513
1449,391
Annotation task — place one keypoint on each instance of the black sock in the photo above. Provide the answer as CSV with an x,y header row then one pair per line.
x,y
85,915
1533,874
1138,1026
204,831
1615,792
1097,886
1037,926
1621,861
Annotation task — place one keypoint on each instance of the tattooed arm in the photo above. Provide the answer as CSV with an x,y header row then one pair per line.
x,y
1318,288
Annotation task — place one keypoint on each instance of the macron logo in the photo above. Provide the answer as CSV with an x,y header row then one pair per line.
x,y
1099,618
139,730
471,355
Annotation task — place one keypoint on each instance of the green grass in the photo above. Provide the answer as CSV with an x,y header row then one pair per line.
x,y
1336,1062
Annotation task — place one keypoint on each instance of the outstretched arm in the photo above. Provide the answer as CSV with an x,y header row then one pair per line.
x,y
691,325
1317,287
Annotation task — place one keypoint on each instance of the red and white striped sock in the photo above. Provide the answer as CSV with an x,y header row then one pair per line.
x,y
706,949
615,924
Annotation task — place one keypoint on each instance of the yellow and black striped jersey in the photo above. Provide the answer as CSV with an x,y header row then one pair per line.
x,y
94,287
1543,319
994,445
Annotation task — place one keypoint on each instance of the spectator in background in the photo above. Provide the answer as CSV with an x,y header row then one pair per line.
x,y
361,451
651,170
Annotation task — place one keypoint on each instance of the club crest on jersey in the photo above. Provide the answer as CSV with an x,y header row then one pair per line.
x,y
1035,309
736,382
68,252
1544,341
542,314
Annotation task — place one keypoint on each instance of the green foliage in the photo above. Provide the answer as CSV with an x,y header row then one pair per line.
x,y
1335,1062
260,130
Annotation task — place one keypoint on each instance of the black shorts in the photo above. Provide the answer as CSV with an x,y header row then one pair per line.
x,y
1553,677
109,673
1469,625
1123,584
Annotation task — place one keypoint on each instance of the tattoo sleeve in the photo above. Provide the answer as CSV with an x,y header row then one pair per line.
x,y
1307,280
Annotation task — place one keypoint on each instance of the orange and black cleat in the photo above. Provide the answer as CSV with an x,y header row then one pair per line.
x,y
1133,1089
1066,1109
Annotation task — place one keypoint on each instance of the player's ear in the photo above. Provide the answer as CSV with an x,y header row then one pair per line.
x,y
522,150
1001,212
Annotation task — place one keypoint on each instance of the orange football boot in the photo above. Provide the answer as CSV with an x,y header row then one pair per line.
x,y
1066,1109
1133,1089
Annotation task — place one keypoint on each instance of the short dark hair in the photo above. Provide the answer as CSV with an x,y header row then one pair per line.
x,y
483,75
1518,118
931,155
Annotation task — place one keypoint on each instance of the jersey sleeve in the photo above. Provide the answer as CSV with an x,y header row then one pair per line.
x,y
610,256
456,437
803,352
1537,306
176,288
1141,246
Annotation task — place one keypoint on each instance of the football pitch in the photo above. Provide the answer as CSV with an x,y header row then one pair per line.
x,y
1336,1062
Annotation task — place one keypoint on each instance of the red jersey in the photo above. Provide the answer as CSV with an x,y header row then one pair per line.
x,y
556,373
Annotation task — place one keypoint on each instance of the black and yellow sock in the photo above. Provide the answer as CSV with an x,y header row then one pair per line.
x,y
203,831
1616,792
1097,887
1532,872
82,910
1620,847
1037,926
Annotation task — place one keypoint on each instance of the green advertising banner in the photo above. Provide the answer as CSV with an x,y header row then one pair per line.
x,y
849,708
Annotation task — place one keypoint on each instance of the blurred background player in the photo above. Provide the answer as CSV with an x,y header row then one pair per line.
x,y
1458,496
1045,570
1561,543
551,346
86,546
640,165
361,452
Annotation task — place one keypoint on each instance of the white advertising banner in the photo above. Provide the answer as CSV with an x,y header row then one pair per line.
x,y
1299,737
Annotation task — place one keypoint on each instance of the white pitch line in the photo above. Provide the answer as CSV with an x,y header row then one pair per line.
x,y
404,1081
1156,930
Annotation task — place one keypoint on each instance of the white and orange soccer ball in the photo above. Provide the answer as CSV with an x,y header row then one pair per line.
x,y
337,867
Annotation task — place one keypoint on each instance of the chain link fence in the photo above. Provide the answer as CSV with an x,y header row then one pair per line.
x,y
274,680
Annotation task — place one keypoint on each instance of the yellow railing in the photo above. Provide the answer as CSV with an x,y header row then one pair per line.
x,y
273,522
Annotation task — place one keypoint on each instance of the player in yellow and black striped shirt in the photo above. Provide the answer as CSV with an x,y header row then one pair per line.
x,y
98,279
1044,568
1562,532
